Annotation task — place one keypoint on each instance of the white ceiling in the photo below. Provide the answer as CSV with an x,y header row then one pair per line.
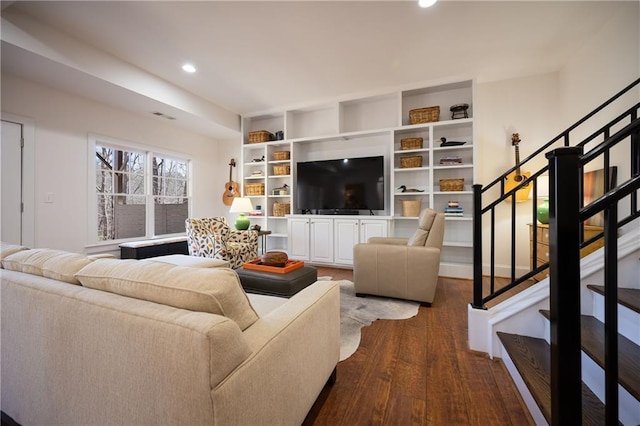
x,y
257,56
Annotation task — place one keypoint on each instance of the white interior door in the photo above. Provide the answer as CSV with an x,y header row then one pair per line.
x,y
11,183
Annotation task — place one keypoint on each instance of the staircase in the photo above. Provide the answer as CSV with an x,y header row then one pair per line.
x,y
572,341
529,359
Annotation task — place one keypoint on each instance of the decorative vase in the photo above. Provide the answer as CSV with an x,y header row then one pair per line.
x,y
542,212
242,222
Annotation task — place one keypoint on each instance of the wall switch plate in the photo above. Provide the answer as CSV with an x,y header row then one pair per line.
x,y
48,197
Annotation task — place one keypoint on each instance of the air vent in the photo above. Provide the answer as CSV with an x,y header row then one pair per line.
x,y
159,114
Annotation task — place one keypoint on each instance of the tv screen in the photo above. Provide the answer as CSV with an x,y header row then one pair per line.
x,y
347,184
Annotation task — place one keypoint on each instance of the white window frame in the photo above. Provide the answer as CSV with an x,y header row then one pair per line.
x,y
149,152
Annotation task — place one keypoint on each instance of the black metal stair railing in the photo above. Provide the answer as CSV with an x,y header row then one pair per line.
x,y
485,211
566,215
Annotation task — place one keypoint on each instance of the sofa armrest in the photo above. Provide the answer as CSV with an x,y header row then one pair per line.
x,y
248,236
296,347
388,240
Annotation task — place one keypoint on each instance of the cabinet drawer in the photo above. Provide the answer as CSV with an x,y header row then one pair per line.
x,y
542,233
542,251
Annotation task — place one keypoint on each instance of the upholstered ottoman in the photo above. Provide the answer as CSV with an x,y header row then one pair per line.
x,y
273,284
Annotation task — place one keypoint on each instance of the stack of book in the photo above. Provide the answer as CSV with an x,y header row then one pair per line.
x,y
453,209
451,160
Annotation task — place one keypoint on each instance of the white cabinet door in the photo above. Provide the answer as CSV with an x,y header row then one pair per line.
x,y
322,240
373,228
346,236
298,241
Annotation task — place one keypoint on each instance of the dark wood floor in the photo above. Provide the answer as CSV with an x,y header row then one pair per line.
x,y
420,371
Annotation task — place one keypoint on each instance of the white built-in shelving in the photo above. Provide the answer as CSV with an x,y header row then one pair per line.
x,y
371,126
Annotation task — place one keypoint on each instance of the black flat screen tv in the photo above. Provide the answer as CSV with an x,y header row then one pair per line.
x,y
340,186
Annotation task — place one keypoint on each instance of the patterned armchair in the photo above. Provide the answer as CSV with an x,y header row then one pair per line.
x,y
212,237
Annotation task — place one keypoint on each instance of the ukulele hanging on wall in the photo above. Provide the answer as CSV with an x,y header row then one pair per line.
x,y
516,177
231,188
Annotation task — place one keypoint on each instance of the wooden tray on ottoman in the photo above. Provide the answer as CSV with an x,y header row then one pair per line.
x,y
257,265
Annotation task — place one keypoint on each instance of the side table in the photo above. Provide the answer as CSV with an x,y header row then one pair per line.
x,y
263,234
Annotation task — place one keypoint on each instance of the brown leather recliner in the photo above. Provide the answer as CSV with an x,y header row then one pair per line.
x,y
404,268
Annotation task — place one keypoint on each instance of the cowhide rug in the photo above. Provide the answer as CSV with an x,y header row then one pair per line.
x,y
358,312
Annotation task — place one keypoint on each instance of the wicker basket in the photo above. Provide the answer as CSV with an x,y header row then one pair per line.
x,y
452,184
411,143
411,161
260,136
281,169
424,115
281,155
281,209
253,189
410,208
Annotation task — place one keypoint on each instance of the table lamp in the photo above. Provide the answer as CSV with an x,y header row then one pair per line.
x,y
241,205
542,211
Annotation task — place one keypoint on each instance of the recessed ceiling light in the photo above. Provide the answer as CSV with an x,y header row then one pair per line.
x,y
189,68
426,3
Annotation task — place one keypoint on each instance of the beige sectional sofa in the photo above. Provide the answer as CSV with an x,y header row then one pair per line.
x,y
110,341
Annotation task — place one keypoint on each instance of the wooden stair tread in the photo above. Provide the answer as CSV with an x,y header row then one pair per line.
x,y
532,358
592,336
629,297
628,353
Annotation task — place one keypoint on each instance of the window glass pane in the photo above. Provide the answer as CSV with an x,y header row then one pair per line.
x,y
130,219
170,214
121,217
170,200
104,182
106,218
129,183
130,161
104,158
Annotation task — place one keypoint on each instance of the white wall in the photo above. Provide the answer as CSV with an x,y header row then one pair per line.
x,y
62,123
528,106
540,107
604,66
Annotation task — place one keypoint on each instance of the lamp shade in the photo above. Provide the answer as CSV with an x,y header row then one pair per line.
x,y
543,186
241,205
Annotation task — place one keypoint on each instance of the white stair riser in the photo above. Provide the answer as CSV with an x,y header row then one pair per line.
x,y
628,320
593,376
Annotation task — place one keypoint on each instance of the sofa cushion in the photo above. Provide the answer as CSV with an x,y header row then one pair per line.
x,y
55,264
7,249
425,221
65,266
213,290
419,238
427,216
